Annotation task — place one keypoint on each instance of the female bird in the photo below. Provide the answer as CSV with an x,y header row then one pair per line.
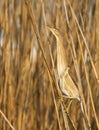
x,y
66,84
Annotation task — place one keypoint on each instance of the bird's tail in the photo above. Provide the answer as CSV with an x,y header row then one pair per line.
x,y
83,113
82,109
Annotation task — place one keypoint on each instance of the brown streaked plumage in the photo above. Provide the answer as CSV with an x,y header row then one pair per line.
x,y
66,83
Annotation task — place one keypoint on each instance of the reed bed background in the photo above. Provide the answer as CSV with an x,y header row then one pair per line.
x,y
27,91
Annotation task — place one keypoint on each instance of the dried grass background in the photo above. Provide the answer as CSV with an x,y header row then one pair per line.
x,y
26,97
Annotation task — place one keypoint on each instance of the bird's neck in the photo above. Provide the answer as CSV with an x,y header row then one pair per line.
x,y
61,58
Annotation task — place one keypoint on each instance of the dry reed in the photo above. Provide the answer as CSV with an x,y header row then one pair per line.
x,y
29,94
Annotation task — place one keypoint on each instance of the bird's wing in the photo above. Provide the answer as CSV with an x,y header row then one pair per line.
x,y
70,87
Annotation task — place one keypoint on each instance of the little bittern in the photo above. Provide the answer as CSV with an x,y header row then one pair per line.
x,y
65,82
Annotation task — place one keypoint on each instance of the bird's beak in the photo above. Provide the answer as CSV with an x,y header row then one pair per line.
x,y
50,29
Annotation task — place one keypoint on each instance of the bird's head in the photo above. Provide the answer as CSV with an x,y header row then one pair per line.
x,y
55,32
